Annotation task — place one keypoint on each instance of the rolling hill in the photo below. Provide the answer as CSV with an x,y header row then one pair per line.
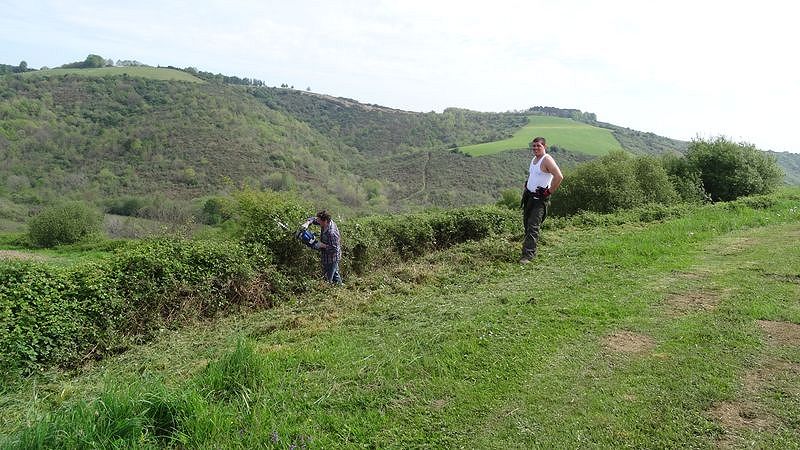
x,y
153,73
171,139
560,132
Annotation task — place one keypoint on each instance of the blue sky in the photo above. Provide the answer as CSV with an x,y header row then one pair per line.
x,y
677,68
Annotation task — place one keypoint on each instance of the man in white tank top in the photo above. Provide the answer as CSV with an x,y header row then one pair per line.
x,y
544,178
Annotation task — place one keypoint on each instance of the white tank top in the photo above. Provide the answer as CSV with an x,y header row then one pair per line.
x,y
537,177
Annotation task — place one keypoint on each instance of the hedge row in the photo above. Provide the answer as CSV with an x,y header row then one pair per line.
x,y
271,219
56,315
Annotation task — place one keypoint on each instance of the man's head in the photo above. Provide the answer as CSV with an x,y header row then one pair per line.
x,y
324,217
539,146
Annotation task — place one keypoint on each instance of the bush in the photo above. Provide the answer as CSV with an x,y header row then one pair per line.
x,y
64,224
218,209
168,279
730,170
684,178
373,240
510,198
271,219
614,182
127,206
53,315
50,314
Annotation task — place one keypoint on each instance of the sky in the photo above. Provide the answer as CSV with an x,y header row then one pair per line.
x,y
680,69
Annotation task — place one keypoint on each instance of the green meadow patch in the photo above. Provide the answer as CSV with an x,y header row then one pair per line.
x,y
671,331
155,73
565,133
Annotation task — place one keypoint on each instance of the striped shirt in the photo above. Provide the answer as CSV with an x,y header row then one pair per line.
x,y
330,237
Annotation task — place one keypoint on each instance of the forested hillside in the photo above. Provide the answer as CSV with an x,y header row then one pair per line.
x,y
378,130
164,146
101,137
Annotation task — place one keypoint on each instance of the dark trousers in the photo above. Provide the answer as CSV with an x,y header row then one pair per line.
x,y
331,272
534,210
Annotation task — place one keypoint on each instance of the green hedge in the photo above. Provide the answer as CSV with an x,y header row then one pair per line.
x,y
56,315
375,241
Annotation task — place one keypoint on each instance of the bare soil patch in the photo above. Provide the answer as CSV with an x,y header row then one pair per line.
x,y
739,416
769,372
14,254
736,245
687,302
628,342
781,333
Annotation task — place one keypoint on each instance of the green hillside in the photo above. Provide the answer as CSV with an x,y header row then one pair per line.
x,y
381,131
560,132
100,138
139,136
153,73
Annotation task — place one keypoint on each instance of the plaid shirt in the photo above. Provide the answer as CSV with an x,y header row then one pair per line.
x,y
331,238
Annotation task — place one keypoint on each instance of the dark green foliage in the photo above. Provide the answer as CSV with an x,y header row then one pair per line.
x,y
376,241
730,170
63,224
684,178
167,279
218,209
510,198
271,219
128,206
53,315
615,181
91,62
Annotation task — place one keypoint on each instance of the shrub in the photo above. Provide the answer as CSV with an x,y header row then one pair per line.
x,y
373,240
167,279
53,315
50,314
218,209
730,170
127,206
510,198
63,224
270,219
614,182
685,179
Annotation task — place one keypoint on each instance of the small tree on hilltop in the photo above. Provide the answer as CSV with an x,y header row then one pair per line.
x,y
730,170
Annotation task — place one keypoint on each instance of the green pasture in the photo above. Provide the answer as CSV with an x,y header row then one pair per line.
x,y
632,330
565,133
156,73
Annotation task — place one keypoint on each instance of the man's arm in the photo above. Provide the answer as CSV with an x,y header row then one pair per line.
x,y
549,165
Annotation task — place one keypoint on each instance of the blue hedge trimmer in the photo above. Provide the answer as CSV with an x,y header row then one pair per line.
x,y
307,237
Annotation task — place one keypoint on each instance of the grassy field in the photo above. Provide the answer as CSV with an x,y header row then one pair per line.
x,y
567,133
156,73
677,333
